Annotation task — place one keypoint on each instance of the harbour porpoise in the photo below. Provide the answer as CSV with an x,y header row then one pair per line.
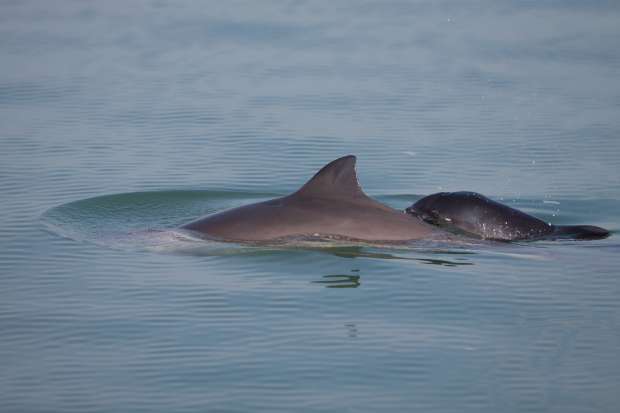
x,y
474,214
331,205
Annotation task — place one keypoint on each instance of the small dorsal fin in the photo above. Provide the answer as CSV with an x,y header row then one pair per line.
x,y
337,179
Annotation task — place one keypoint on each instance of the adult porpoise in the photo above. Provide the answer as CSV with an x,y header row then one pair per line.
x,y
330,205
474,214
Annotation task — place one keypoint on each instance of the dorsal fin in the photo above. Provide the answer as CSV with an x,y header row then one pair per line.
x,y
337,179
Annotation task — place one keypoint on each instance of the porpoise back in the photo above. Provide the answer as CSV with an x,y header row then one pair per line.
x,y
330,205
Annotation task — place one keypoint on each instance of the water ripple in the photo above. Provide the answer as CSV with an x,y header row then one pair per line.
x,y
118,122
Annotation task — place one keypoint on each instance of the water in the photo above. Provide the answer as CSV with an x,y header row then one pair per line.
x,y
120,121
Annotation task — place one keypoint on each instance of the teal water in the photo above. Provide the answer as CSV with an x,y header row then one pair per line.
x,y
120,121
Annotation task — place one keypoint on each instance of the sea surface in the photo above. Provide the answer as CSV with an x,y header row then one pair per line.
x,y
121,120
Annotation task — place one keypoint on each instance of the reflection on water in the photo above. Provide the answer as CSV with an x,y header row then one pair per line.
x,y
352,330
361,252
445,263
339,281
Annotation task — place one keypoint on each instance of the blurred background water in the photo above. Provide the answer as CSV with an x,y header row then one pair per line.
x,y
118,118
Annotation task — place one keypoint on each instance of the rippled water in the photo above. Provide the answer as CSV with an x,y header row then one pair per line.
x,y
121,120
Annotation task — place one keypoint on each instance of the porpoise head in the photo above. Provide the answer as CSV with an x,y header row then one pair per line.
x,y
425,208
476,214
465,211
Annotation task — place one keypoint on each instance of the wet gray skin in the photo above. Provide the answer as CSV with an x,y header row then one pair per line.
x,y
330,205
476,215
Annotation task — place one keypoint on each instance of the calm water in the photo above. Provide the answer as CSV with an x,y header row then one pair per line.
x,y
121,120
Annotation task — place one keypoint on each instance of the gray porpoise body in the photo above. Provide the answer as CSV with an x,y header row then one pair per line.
x,y
330,205
482,217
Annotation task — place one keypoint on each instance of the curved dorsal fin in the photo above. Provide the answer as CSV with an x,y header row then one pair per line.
x,y
337,179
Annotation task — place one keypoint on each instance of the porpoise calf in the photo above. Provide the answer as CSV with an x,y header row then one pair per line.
x,y
475,214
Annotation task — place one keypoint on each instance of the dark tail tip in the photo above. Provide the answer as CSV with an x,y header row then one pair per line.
x,y
581,232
